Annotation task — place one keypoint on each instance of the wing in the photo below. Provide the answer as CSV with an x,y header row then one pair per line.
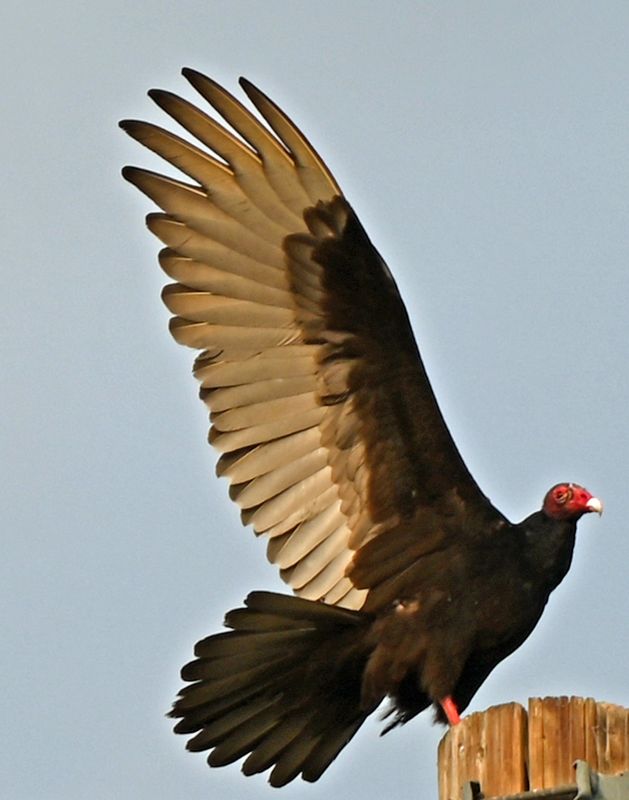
x,y
320,406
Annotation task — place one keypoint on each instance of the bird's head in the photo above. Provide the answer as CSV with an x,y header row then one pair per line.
x,y
570,501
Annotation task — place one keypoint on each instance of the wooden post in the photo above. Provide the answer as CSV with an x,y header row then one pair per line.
x,y
507,750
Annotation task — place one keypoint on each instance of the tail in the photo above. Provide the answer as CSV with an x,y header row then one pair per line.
x,y
284,686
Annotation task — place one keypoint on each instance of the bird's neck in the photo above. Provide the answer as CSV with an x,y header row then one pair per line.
x,y
548,545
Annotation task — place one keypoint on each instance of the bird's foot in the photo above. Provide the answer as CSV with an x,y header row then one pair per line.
x,y
450,710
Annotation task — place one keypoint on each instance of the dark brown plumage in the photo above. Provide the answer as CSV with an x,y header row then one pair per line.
x,y
412,585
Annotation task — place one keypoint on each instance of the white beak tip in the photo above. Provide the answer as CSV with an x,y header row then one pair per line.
x,y
594,504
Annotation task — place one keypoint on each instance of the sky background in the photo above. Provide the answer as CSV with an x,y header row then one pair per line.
x,y
485,148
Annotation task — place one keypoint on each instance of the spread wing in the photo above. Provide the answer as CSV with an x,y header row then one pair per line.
x,y
328,429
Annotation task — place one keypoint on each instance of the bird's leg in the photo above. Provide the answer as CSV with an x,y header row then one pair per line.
x,y
450,710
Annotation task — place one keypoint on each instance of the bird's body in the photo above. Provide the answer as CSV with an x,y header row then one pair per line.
x,y
412,585
467,612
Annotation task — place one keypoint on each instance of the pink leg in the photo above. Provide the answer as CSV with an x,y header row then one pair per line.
x,y
450,710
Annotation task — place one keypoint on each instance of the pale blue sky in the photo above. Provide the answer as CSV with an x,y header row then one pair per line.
x,y
485,147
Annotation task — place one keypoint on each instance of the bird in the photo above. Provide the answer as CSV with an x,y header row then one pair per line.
x,y
408,584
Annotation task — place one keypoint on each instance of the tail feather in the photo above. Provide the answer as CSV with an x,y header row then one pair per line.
x,y
303,744
243,619
222,644
246,661
214,732
202,704
268,752
288,748
284,686
327,751
319,744
296,757
241,740
291,609
238,680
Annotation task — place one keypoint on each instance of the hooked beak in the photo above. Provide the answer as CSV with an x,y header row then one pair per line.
x,y
594,504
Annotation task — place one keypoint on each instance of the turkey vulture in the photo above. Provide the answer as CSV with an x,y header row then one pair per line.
x,y
410,584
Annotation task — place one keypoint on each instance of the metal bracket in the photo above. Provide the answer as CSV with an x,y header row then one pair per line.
x,y
589,785
593,785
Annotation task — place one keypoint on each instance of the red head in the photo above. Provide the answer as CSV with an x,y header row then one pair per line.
x,y
570,501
